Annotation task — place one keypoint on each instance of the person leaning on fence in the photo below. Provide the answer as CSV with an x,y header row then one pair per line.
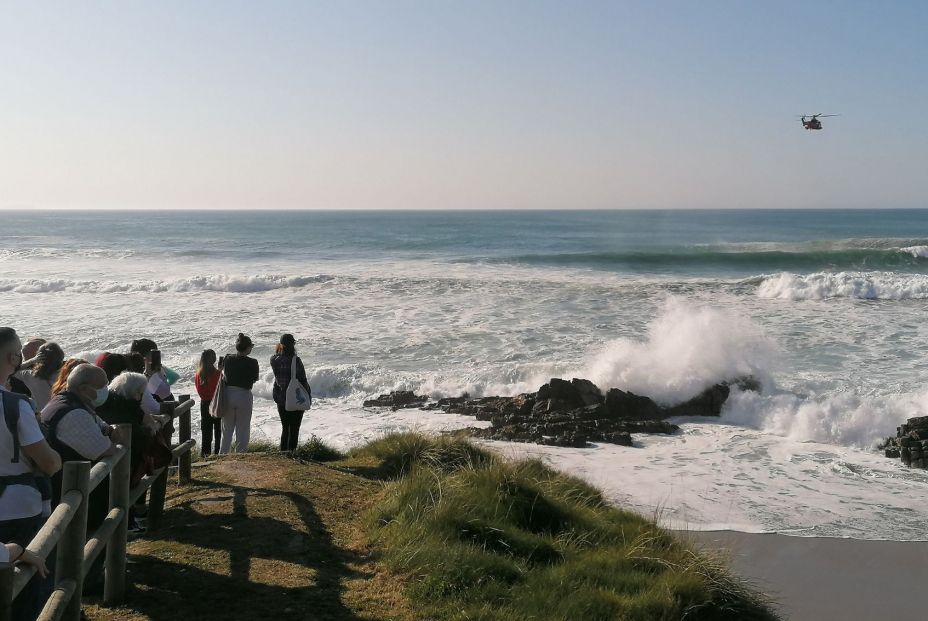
x,y
284,362
78,433
123,405
160,377
15,553
24,456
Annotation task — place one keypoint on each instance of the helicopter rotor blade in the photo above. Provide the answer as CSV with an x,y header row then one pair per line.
x,y
827,115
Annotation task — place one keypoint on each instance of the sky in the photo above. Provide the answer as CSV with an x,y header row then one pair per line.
x,y
462,105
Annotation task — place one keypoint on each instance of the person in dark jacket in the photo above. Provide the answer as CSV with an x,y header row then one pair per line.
x,y
281,363
124,405
240,372
112,364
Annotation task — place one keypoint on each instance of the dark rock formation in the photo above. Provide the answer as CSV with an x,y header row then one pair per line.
x,y
396,400
910,444
574,413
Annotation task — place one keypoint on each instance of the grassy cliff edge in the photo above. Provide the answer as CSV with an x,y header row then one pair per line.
x,y
413,527
481,537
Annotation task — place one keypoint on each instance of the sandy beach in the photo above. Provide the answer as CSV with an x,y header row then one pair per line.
x,y
825,578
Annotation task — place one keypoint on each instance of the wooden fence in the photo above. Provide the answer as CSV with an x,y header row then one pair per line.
x,y
66,528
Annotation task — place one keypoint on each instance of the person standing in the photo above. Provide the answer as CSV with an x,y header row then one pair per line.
x,y
241,373
24,455
206,380
282,363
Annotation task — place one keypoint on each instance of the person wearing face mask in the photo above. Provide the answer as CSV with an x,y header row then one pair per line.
x,y
78,433
25,457
74,429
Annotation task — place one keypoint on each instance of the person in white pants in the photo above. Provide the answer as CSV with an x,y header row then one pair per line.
x,y
240,372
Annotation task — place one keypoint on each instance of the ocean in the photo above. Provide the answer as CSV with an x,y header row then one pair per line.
x,y
825,307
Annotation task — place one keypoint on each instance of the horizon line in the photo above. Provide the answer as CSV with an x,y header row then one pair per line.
x,y
429,210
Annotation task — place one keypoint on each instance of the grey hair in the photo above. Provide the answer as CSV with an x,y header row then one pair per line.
x,y
128,384
84,374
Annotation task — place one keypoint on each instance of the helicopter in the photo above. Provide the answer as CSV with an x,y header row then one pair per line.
x,y
813,122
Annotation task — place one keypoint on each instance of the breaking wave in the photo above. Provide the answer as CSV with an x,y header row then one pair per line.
x,y
220,283
842,418
858,285
688,347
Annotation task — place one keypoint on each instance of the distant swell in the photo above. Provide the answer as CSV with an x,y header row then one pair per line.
x,y
858,285
229,284
851,254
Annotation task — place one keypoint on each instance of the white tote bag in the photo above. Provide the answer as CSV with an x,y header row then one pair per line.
x,y
298,398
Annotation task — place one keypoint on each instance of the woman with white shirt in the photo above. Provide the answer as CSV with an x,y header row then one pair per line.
x,y
40,373
160,378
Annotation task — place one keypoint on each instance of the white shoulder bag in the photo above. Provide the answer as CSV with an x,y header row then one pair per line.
x,y
298,398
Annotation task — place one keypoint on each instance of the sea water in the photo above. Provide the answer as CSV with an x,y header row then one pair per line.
x,y
826,308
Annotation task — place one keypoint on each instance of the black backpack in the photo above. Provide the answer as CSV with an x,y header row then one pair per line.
x,y
11,401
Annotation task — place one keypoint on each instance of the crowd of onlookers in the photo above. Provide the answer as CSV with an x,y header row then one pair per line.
x,y
58,409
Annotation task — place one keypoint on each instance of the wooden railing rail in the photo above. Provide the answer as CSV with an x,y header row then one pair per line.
x,y
66,528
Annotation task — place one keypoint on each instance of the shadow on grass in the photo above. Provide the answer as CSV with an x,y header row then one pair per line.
x,y
264,569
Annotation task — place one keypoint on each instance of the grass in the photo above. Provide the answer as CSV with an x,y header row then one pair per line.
x,y
414,528
396,454
313,449
484,538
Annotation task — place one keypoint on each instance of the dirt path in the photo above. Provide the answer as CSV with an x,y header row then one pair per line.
x,y
260,537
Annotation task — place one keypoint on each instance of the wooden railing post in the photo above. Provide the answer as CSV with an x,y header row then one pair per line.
x,y
70,560
183,463
114,587
156,500
6,591
159,487
168,407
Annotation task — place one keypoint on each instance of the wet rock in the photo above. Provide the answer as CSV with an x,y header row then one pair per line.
x,y
559,389
571,413
707,403
397,399
910,444
628,405
589,393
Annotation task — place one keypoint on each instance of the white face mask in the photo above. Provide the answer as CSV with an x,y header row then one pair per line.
x,y
101,397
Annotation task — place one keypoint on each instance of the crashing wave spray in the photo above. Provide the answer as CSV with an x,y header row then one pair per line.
x,y
843,419
688,348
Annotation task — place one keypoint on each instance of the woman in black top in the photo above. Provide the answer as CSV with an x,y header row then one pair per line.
x,y
239,372
282,363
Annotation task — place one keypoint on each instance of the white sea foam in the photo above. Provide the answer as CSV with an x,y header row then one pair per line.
x,y
223,283
919,252
839,418
774,461
687,348
859,285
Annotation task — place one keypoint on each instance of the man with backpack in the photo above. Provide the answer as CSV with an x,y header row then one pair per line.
x,y
24,456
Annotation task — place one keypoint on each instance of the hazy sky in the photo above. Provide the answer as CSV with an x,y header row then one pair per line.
x,y
435,104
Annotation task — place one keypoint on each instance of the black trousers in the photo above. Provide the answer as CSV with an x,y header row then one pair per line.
x,y
210,429
290,427
31,599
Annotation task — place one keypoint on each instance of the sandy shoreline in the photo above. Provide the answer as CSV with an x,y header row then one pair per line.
x,y
825,578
